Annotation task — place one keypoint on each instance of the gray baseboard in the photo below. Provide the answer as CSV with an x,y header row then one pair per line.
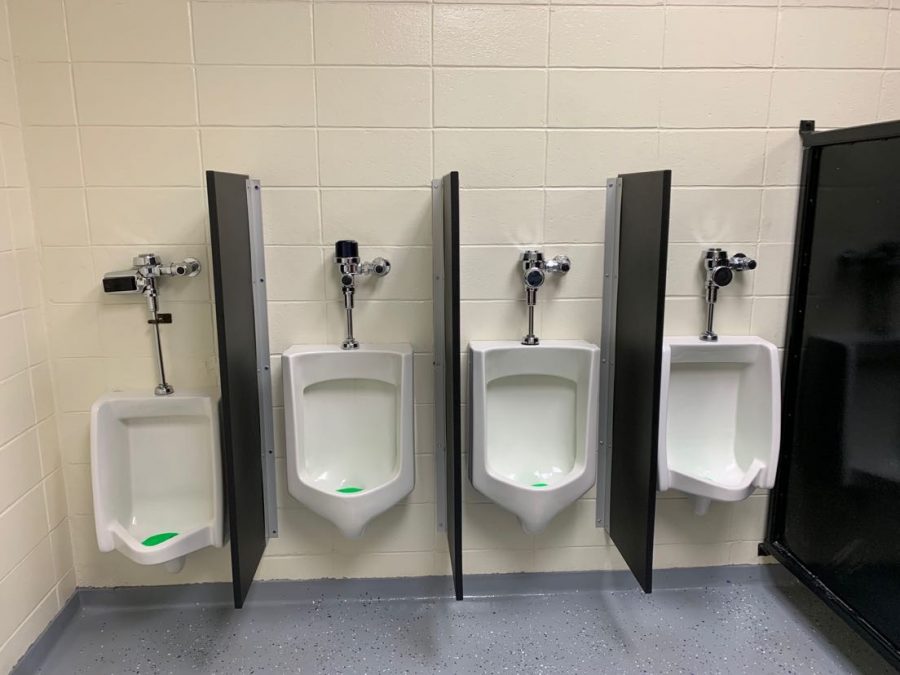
x,y
34,657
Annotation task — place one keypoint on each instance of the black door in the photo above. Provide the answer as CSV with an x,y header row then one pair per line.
x,y
835,514
240,420
643,248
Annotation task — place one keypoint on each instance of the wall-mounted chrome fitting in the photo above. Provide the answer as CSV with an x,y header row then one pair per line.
x,y
720,271
346,257
141,278
534,270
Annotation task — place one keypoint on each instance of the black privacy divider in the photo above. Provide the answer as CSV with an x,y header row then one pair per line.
x,y
447,403
835,515
245,410
633,362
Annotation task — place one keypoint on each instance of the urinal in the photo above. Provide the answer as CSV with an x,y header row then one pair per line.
x,y
349,430
157,476
719,417
534,425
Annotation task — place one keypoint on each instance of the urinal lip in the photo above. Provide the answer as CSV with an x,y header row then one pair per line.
x,y
723,341
699,487
400,348
184,543
115,394
748,479
534,507
366,505
482,346
212,395
132,542
571,477
340,496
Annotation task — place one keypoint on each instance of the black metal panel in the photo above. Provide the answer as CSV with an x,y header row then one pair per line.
x,y
640,306
452,402
835,512
868,132
239,408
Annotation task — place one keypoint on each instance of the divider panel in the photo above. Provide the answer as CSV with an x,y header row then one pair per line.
x,y
447,403
245,408
633,365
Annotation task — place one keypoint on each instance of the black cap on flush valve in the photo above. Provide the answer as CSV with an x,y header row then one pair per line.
x,y
346,248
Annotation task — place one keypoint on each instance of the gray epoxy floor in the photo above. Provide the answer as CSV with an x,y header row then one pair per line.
x,y
729,628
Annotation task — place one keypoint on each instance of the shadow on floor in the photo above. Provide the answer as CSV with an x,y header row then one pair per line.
x,y
737,623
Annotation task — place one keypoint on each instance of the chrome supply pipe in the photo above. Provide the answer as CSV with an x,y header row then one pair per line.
x,y
720,271
142,278
351,268
534,272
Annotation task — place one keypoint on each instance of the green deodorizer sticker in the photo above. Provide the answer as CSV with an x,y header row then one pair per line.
x,y
155,539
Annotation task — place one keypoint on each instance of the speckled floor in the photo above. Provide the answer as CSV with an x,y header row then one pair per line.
x,y
731,627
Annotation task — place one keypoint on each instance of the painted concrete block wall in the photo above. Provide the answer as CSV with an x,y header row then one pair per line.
x,y
346,111
37,575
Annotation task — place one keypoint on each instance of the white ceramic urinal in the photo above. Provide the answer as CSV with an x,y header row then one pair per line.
x,y
719,417
157,476
349,430
534,425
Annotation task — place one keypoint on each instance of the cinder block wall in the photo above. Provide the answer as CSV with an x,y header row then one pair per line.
x,y
345,111
37,575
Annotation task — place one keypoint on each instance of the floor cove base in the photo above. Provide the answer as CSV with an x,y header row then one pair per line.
x,y
724,619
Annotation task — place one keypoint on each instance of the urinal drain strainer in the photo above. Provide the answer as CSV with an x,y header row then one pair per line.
x,y
538,485
349,490
155,539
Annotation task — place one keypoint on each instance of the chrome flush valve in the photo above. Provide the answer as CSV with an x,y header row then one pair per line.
x,y
720,271
346,257
534,271
146,268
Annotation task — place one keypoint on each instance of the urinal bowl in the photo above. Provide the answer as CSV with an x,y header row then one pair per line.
x,y
349,430
156,475
720,417
533,425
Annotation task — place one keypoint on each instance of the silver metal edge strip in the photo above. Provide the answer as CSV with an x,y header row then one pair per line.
x,y
263,371
440,370
608,346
